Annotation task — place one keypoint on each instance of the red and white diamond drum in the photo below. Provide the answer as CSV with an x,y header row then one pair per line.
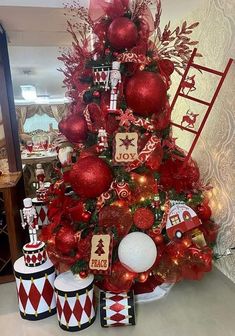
x,y
117,309
35,289
42,194
34,256
74,301
101,74
41,209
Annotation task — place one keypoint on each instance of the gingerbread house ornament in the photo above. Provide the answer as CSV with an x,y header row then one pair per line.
x,y
181,219
34,272
74,301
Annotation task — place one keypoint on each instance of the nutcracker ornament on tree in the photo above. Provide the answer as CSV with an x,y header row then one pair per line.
x,y
115,81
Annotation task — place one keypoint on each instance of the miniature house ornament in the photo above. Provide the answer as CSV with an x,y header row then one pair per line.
x,y
181,219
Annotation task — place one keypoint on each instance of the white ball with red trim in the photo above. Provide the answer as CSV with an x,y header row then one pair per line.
x,y
137,251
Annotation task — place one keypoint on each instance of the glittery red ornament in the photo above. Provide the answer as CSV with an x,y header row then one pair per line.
x,y
122,33
65,240
143,218
90,177
204,212
145,93
86,216
115,216
74,127
166,66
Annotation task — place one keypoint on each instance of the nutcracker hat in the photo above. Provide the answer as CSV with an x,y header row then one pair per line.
x,y
27,202
39,165
116,65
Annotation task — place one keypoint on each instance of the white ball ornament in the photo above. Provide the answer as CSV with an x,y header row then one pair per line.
x,y
137,251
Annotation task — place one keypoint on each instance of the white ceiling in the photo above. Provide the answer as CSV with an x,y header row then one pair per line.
x,y
36,31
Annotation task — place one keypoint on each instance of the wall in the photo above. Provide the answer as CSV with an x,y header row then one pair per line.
x,y
215,151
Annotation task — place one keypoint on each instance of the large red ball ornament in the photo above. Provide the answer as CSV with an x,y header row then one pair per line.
x,y
74,127
122,33
146,93
65,240
90,177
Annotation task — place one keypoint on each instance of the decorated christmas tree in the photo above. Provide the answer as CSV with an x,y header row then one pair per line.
x,y
126,205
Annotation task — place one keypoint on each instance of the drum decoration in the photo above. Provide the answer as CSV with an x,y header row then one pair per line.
x,y
41,209
74,301
101,74
117,309
35,289
41,194
34,256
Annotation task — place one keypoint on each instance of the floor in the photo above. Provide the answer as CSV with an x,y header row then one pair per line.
x,y
191,309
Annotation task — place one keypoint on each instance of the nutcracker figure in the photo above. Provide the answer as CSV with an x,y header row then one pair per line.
x,y
29,217
102,140
114,80
40,175
156,206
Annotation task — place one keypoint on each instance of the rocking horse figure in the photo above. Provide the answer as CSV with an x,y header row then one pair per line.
x,y
189,118
188,83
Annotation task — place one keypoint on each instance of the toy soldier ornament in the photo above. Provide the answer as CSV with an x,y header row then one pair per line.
x,y
102,140
29,217
114,80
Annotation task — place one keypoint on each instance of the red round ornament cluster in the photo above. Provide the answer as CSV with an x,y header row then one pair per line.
x,y
122,33
74,127
143,218
145,93
90,177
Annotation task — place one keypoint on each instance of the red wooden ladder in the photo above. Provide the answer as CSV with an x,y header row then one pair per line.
x,y
210,104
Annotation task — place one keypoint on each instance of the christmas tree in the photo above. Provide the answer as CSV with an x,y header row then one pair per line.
x,y
100,249
128,177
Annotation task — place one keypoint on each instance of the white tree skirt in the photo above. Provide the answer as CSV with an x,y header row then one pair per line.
x,y
158,293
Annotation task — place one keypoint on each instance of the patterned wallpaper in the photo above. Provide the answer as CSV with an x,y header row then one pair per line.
x,y
215,151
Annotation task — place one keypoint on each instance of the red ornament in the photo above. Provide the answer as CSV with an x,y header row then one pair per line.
x,y
90,177
116,216
86,216
83,274
146,93
143,218
74,127
65,240
122,33
204,212
166,66
96,94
